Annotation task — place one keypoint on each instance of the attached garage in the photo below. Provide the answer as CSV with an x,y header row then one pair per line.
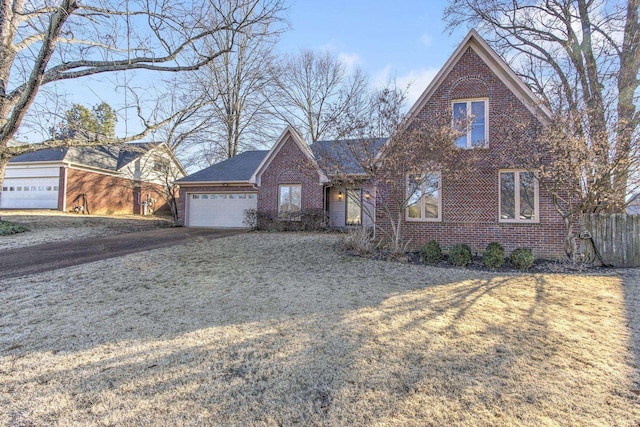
x,y
219,195
224,210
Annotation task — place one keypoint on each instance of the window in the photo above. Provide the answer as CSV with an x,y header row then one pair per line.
x,y
5,188
470,117
424,197
195,196
289,199
518,196
353,207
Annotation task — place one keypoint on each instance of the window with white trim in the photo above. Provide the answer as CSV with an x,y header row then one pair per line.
x,y
470,118
518,196
289,199
425,197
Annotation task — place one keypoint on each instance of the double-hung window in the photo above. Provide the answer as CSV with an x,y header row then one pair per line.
x,y
470,117
518,196
289,200
424,197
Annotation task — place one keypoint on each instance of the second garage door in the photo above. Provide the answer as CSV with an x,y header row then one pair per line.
x,y
224,210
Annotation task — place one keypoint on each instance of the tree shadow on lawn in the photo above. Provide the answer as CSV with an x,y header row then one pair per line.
x,y
300,342
472,351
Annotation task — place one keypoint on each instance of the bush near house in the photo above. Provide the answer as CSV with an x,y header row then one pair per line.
x,y
460,255
7,228
431,253
493,256
522,258
304,220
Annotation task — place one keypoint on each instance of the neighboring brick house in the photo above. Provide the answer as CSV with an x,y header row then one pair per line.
x,y
97,180
497,200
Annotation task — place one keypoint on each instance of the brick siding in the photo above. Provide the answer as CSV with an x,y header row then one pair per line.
x,y
290,166
107,194
470,201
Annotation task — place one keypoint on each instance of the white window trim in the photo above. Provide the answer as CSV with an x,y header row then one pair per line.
x,y
536,190
486,118
288,185
422,207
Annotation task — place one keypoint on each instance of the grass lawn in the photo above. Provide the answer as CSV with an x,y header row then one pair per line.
x,y
282,329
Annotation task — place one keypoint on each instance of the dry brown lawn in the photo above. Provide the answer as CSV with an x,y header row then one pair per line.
x,y
46,226
283,329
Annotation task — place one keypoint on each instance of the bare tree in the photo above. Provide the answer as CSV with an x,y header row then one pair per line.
x,y
312,90
406,171
582,58
51,41
234,87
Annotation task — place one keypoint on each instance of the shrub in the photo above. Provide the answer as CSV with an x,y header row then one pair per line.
x,y
7,228
306,220
522,258
431,252
360,240
493,256
460,255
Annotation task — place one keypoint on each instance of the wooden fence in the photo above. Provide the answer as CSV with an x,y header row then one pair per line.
x,y
616,238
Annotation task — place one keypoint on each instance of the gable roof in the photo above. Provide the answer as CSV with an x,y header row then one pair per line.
x,y
107,157
502,70
239,168
348,155
289,132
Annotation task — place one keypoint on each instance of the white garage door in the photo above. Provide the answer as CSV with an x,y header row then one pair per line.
x,y
219,209
29,193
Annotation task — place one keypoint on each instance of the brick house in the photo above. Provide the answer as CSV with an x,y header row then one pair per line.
x,y
97,180
497,200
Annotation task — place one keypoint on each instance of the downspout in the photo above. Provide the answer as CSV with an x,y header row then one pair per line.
x,y
63,188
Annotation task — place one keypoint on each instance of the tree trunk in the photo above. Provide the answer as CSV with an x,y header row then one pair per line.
x,y
627,121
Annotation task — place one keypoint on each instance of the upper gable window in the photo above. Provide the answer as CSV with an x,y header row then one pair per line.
x,y
470,117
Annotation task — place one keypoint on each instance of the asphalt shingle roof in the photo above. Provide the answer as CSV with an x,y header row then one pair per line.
x,y
237,168
346,156
102,156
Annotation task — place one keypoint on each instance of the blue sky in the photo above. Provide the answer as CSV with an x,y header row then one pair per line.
x,y
403,39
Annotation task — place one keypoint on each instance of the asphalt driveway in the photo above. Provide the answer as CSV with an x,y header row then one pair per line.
x,y
51,256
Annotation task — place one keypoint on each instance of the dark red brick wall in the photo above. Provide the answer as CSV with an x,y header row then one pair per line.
x,y
182,200
106,194
470,199
290,166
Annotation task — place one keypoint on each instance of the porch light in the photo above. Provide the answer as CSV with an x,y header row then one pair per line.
x,y
367,195
340,195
